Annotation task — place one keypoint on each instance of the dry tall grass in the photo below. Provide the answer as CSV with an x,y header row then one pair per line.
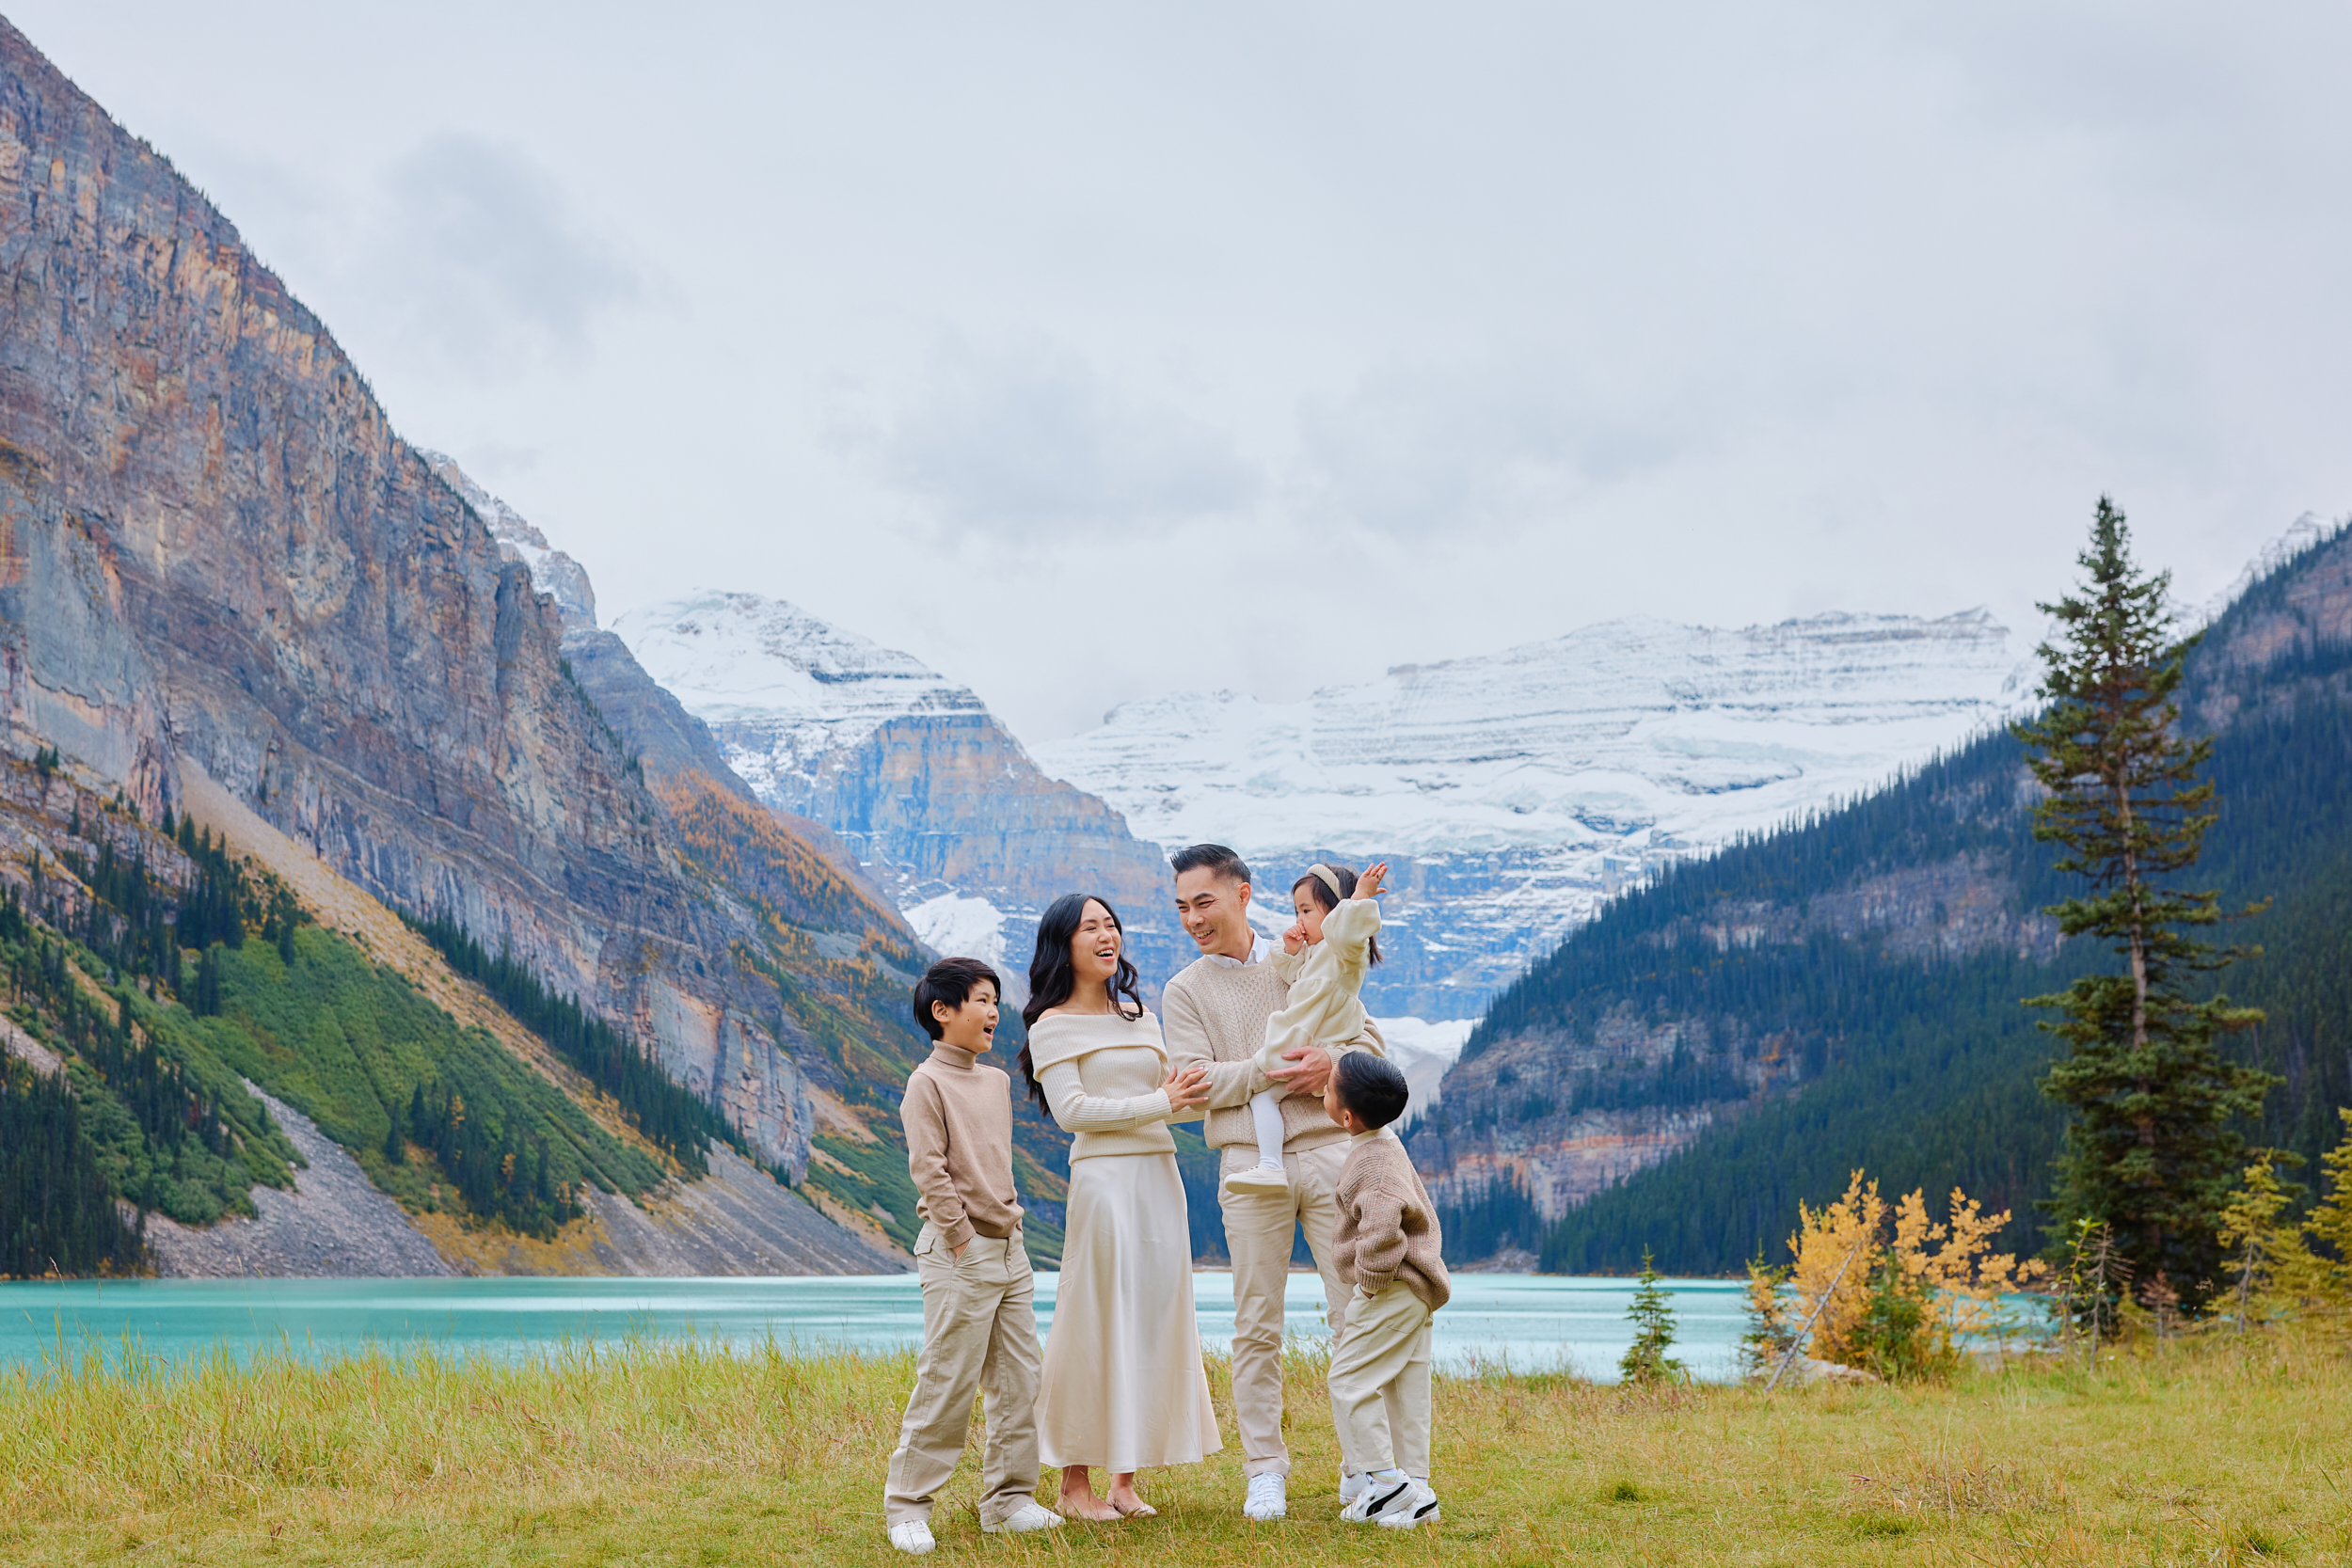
x,y
2232,1449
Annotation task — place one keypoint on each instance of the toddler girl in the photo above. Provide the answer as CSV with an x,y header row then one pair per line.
x,y
1323,959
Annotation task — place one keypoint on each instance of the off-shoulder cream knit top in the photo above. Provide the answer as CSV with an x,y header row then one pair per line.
x,y
1102,1074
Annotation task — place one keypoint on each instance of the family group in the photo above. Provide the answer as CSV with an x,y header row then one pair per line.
x,y
1269,1045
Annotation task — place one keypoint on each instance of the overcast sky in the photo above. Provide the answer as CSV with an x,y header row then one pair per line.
x,y
1095,350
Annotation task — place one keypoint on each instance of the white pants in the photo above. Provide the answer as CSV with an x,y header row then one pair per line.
x,y
1380,1384
1258,1229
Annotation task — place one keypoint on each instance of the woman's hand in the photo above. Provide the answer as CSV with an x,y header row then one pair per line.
x,y
1187,1087
1368,884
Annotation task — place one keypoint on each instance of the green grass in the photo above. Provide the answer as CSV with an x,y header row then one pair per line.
x,y
2227,1451
346,1042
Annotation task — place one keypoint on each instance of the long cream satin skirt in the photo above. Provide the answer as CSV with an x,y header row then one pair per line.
x,y
1124,1386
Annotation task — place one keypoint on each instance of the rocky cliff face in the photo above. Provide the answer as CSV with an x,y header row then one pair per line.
x,y
938,801
215,550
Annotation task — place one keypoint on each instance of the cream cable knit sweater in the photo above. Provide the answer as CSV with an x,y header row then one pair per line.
x,y
1216,1014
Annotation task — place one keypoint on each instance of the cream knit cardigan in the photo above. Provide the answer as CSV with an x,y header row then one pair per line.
x,y
1322,1007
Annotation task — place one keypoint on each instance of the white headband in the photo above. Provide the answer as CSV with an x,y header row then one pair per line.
x,y
1327,876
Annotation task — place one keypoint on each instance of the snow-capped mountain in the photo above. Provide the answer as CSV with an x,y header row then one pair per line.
x,y
937,799
1515,790
551,570
793,697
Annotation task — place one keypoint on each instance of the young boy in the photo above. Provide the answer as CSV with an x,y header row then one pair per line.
x,y
1386,1247
979,1330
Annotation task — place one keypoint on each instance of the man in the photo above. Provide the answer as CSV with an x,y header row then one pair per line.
x,y
1215,1013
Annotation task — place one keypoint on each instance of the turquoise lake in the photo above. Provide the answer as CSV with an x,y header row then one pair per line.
x,y
1527,1322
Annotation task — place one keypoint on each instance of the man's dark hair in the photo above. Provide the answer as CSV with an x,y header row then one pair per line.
x,y
1371,1087
1214,856
952,981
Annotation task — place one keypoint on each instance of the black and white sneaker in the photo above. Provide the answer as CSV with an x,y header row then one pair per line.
x,y
1386,1500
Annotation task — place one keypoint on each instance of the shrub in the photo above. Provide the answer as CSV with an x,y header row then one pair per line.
x,y
1898,1303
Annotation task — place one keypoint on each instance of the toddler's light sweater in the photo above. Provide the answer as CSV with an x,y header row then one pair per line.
x,y
1387,1230
1216,1014
1321,1007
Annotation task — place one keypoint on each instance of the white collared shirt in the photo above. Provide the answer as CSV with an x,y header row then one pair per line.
x,y
1259,947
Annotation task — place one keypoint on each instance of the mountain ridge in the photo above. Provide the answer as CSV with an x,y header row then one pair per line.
x,y
1516,792
218,557
1846,990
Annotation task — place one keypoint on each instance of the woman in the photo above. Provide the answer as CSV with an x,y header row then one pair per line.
x,y
1123,1386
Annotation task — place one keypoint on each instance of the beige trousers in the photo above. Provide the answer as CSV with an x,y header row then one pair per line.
x,y
1380,1384
1258,1229
979,1335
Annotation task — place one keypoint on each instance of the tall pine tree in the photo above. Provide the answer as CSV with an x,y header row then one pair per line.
x,y
2150,1149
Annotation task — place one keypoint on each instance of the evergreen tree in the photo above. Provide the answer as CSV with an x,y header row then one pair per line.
x,y
2149,1150
1652,1315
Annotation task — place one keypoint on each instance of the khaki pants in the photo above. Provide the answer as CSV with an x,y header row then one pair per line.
x,y
1258,1235
1380,1384
979,1335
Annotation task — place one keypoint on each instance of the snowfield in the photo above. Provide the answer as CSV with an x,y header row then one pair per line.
x,y
1525,786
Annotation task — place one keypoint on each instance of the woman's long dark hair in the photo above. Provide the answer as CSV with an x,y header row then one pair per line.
x,y
1325,901
1053,977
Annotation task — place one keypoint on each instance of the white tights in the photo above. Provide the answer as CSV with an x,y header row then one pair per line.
x,y
1266,1111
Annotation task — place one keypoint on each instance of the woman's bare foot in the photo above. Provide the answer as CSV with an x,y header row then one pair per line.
x,y
1078,1500
1124,1500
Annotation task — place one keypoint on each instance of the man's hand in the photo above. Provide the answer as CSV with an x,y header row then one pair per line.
x,y
956,1251
1309,1072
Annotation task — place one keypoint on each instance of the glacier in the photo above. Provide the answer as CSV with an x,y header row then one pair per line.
x,y
1516,791
942,807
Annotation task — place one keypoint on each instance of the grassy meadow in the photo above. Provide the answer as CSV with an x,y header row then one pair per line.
x,y
2221,1451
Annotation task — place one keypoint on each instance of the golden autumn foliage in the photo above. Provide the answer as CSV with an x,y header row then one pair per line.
x,y
2276,1273
743,844
1898,1301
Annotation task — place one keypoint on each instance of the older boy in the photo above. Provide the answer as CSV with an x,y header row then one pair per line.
x,y
1386,1248
980,1329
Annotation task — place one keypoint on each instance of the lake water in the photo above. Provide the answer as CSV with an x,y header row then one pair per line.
x,y
1527,1321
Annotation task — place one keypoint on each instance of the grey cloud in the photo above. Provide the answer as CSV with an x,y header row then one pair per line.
x,y
494,268
1029,438
1416,447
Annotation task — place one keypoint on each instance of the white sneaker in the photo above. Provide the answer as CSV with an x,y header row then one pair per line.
x,y
1384,1502
1268,1499
912,1536
1021,1520
1421,1509
1259,1182
1352,1486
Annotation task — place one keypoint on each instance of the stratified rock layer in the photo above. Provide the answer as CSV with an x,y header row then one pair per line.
x,y
934,796
213,548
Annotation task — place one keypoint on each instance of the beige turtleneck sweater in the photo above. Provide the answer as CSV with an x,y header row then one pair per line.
x,y
958,1115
